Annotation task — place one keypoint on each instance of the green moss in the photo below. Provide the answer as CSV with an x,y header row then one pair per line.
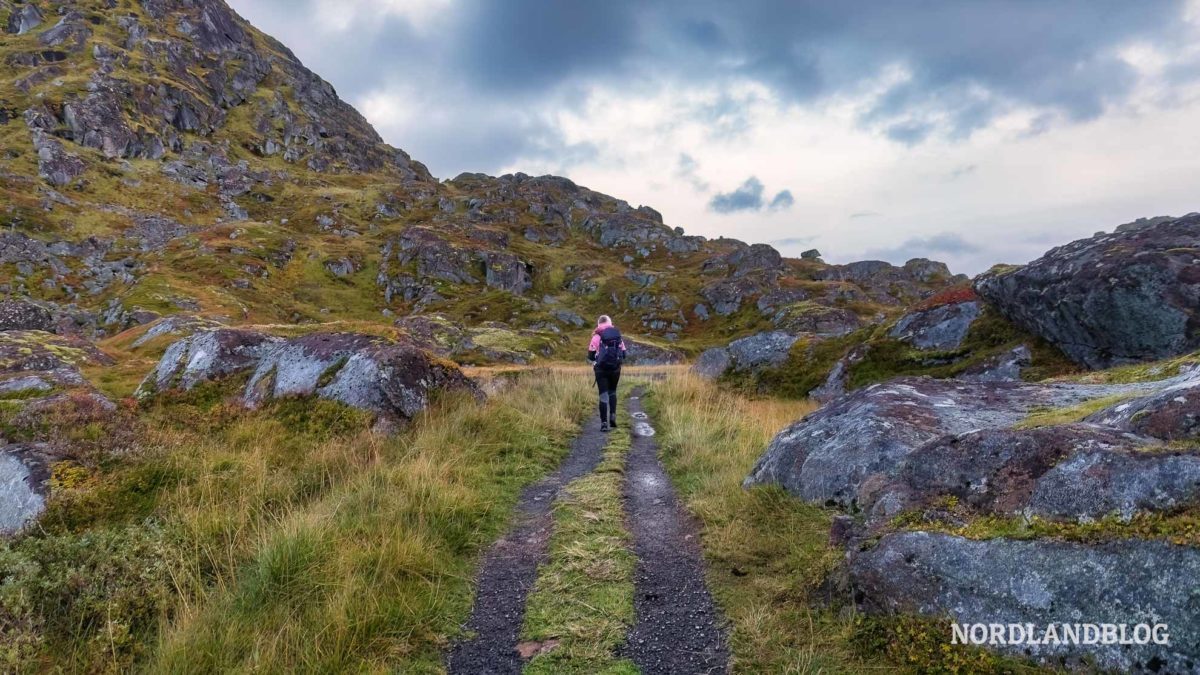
x,y
923,644
1045,417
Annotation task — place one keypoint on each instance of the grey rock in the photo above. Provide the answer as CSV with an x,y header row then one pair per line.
x,y
1042,582
1005,367
992,471
837,382
712,363
25,19
394,380
840,453
1091,485
942,328
643,353
207,356
763,350
811,254
1117,298
25,315
23,489
1172,414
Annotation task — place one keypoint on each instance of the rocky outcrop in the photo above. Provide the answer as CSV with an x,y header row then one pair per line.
x,y
207,356
942,328
1114,298
1030,472
842,453
642,353
764,350
394,380
1000,581
1172,414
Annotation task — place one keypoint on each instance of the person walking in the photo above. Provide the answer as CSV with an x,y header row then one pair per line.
x,y
607,352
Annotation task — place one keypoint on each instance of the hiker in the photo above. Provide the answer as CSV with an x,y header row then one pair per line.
x,y
606,352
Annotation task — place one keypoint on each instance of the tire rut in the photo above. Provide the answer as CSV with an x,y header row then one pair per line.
x,y
509,567
678,628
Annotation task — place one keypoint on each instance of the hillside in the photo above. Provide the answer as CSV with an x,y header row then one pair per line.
x,y
165,157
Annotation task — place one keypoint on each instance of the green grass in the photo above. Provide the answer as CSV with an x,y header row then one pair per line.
x,y
1045,417
584,593
208,538
767,552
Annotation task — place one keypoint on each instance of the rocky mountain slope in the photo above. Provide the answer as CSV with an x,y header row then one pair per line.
x,y
163,156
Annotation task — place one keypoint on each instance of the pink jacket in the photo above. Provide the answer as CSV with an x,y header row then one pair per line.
x,y
594,345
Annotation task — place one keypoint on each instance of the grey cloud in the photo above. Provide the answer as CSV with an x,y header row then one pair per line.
x,y
969,62
945,243
687,169
859,215
961,171
747,197
790,242
782,200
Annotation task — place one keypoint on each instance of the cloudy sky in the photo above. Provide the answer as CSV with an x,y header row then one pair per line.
x,y
971,131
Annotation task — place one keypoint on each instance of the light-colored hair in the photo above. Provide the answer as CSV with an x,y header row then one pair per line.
x,y
604,318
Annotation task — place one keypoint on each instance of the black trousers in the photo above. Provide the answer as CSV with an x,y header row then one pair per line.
x,y
606,383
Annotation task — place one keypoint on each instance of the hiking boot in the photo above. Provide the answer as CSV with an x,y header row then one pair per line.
x,y
612,424
604,426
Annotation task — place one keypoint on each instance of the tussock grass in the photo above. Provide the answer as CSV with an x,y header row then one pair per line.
x,y
766,552
584,592
290,539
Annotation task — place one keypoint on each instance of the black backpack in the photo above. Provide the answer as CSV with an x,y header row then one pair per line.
x,y
609,355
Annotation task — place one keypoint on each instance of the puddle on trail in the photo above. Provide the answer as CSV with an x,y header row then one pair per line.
x,y
643,429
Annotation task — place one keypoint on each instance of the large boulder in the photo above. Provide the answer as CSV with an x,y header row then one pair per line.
x,y
1001,581
1114,298
756,352
942,328
392,379
207,356
840,454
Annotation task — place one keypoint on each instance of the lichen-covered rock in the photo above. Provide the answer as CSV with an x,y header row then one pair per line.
x,y
1093,484
23,478
1113,298
22,350
763,350
842,452
942,328
24,19
1000,581
837,381
207,356
712,363
995,471
392,379
25,315
1171,415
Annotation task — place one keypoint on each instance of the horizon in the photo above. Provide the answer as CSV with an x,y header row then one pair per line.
x,y
952,133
